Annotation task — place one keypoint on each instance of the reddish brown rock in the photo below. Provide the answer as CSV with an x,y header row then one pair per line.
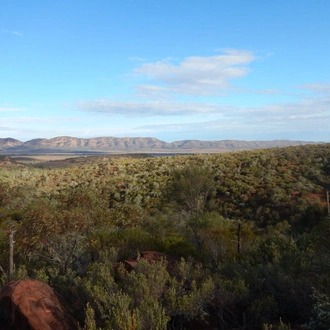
x,y
33,305
151,256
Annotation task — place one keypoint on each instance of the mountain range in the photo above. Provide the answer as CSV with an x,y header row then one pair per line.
x,y
66,144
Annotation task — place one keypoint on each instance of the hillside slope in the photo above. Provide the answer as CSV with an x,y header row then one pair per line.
x,y
133,144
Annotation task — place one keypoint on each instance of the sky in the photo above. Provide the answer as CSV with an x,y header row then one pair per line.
x,y
169,69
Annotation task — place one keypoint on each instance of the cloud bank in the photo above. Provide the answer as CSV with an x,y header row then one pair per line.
x,y
305,106
310,113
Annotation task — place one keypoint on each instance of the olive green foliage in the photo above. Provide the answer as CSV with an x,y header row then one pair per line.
x,y
90,323
248,234
190,188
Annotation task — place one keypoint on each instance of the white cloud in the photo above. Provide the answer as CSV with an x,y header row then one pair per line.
x,y
322,88
11,109
197,75
38,120
13,32
267,91
17,33
136,59
145,109
4,128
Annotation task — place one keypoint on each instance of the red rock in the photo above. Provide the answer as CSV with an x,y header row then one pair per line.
x,y
151,256
33,305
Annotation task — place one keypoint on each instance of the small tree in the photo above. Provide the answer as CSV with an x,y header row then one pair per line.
x,y
190,188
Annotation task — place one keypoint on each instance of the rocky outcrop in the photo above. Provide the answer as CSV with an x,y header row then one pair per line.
x,y
32,305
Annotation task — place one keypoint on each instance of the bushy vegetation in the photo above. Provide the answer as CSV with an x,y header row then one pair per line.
x,y
247,235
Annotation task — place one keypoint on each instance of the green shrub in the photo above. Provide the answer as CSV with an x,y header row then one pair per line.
x,y
320,319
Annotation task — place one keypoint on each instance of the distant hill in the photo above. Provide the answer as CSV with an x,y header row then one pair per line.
x,y
66,144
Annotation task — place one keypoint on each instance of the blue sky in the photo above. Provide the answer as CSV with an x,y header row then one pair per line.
x,y
169,69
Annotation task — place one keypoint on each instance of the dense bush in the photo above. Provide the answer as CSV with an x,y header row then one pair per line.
x,y
251,228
